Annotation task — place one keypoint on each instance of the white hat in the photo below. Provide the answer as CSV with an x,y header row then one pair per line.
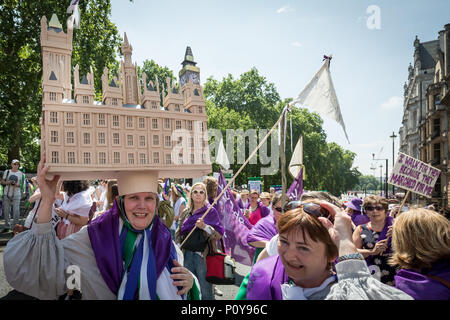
x,y
129,182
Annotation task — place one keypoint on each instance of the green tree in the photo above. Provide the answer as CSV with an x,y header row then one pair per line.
x,y
153,71
95,43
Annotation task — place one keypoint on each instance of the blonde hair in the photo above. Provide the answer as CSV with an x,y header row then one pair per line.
x,y
191,201
419,238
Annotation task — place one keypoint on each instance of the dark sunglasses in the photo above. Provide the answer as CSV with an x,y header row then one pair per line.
x,y
279,209
196,191
371,208
310,208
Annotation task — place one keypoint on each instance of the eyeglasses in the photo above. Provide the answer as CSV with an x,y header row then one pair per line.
x,y
310,208
197,192
15,164
279,209
371,208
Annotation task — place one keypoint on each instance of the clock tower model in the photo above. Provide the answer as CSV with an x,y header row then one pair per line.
x,y
189,71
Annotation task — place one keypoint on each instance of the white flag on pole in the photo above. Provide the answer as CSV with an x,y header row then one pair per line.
x,y
221,157
320,96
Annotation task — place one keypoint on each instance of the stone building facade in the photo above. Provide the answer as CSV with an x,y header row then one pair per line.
x,y
130,129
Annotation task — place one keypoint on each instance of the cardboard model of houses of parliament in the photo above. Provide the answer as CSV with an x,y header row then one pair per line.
x,y
129,130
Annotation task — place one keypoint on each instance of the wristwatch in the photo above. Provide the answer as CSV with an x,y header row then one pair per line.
x,y
351,256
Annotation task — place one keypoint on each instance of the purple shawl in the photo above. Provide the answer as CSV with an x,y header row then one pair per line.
x,y
421,287
104,236
263,230
212,219
266,278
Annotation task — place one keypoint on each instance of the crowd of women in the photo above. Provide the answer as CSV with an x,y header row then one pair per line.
x,y
126,241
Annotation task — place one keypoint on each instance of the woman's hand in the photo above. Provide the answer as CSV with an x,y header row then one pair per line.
x,y
48,190
60,212
182,278
380,247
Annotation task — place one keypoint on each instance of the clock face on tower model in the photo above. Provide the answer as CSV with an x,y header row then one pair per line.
x,y
195,77
183,79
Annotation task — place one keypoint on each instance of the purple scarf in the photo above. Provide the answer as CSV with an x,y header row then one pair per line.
x,y
263,230
104,236
266,278
212,219
421,287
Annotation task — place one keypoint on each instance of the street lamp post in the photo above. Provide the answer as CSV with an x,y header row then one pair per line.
x,y
385,184
393,160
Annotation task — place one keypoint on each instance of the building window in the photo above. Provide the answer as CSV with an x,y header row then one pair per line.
x,y
86,119
116,139
203,158
101,138
180,141
70,137
53,117
189,125
101,119
52,96
86,138
154,105
178,124
191,142
180,158
129,122
114,101
202,126
177,107
86,157
69,118
168,158
154,123
55,157
86,99
102,158
71,157
115,121
142,141
155,140
142,158
166,123
54,136
116,158
141,123
167,141
192,158
129,140
155,157
200,109
130,158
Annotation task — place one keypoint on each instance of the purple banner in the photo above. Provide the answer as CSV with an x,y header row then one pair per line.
x,y
235,224
296,189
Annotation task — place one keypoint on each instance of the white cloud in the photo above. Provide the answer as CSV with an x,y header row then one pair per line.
x,y
393,103
285,9
296,44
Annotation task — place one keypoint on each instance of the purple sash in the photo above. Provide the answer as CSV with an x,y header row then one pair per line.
x,y
212,219
104,236
263,230
266,278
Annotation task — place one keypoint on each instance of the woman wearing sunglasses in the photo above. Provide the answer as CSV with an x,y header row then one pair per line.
x,y
212,227
373,238
308,245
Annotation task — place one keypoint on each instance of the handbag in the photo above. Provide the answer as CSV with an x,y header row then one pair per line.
x,y
196,241
220,267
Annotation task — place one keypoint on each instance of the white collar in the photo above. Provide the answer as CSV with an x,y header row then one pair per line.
x,y
294,292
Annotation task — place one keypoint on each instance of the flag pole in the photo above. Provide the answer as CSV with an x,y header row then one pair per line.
x,y
238,172
283,162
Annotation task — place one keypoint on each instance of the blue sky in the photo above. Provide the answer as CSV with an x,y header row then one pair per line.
x,y
286,40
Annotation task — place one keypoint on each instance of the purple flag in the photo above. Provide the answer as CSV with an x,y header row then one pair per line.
x,y
236,225
296,189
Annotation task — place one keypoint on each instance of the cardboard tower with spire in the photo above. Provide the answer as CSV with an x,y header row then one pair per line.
x,y
131,129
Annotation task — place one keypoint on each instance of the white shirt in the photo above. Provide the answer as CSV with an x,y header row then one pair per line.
x,y
14,190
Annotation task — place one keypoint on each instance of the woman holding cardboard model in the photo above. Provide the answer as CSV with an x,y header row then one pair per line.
x,y
102,252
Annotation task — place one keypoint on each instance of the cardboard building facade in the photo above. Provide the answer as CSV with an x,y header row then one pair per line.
x,y
131,129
